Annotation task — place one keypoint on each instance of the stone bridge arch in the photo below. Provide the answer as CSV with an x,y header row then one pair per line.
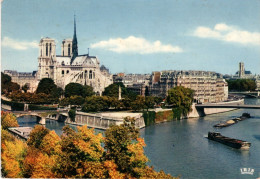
x,y
40,119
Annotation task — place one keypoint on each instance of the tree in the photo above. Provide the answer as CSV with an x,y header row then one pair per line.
x,y
76,89
8,120
72,114
36,136
241,85
12,156
95,103
7,85
76,100
47,86
149,102
125,148
25,88
138,104
81,154
180,98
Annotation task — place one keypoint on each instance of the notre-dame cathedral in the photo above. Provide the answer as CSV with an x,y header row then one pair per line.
x,y
66,68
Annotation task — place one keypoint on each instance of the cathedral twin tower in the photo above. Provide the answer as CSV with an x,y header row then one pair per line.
x,y
69,66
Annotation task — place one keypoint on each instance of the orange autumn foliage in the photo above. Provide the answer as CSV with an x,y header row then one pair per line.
x,y
12,156
50,143
112,170
8,120
77,154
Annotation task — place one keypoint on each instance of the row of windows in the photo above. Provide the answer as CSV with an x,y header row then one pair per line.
x,y
91,74
47,45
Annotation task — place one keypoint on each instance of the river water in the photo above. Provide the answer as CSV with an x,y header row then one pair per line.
x,y
180,147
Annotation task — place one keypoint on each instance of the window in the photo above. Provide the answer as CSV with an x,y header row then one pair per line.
x,y
69,50
68,71
62,72
86,74
41,52
50,48
93,75
46,49
90,74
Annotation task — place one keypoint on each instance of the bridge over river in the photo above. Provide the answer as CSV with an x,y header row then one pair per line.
x,y
200,107
41,115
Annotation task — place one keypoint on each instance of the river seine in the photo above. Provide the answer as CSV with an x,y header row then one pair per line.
x,y
180,147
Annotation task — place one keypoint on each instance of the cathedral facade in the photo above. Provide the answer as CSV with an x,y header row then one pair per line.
x,y
70,66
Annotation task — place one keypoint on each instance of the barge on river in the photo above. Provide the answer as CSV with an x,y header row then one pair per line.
x,y
235,143
233,121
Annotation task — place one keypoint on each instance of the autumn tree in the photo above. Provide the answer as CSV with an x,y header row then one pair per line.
x,y
12,155
117,143
8,120
81,154
36,136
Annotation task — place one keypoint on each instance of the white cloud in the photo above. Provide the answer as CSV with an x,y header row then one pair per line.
x,y
136,45
18,45
228,33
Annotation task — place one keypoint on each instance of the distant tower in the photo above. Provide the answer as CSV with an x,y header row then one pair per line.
x,y
119,93
47,53
74,43
66,47
241,71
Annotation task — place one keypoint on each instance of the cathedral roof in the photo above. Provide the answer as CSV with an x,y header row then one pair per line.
x,y
82,60
85,60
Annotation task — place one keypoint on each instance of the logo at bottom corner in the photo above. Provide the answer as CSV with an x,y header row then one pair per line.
x,y
247,171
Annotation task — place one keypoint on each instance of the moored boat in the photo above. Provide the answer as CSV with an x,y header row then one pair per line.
x,y
235,143
233,121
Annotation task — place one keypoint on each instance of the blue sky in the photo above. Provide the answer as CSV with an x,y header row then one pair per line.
x,y
137,36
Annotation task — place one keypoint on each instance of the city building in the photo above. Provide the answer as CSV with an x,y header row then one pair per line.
x,y
69,66
134,82
208,86
24,78
242,73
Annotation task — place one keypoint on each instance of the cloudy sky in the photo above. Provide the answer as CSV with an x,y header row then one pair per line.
x,y
137,36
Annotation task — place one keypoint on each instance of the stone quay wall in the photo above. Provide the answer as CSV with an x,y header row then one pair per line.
x,y
104,120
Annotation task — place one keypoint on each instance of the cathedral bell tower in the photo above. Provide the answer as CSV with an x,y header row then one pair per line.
x,y
74,43
47,53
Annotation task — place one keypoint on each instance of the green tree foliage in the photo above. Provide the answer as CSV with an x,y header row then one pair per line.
x,y
8,120
46,86
7,85
241,85
95,103
149,102
113,91
138,103
72,114
76,89
180,98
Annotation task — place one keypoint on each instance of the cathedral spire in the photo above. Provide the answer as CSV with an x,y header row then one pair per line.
x,y
74,42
